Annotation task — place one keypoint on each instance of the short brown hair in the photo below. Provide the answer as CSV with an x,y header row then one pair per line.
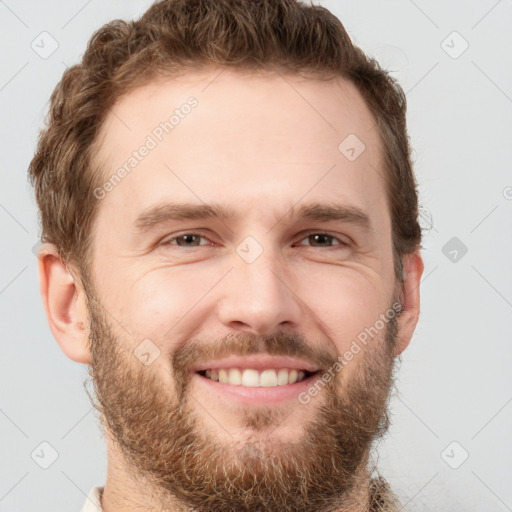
x,y
173,35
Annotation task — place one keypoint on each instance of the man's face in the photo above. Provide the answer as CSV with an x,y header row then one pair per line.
x,y
235,293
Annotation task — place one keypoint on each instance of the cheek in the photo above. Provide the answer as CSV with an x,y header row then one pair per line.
x,y
161,304
170,305
345,301
151,305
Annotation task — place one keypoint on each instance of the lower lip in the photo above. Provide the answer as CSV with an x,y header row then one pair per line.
x,y
257,395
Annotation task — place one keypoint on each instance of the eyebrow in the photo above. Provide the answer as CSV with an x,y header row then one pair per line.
x,y
319,212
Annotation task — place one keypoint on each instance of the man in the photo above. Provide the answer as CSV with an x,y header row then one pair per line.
x,y
231,244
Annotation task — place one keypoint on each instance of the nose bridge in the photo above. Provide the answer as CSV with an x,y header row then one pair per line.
x,y
259,296
263,276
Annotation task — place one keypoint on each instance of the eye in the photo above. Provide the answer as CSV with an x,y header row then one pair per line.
x,y
324,238
186,240
316,239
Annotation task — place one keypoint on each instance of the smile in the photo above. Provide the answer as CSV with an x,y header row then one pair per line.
x,y
250,377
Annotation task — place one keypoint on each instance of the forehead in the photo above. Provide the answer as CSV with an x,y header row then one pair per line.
x,y
242,138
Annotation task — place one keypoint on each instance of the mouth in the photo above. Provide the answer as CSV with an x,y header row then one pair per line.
x,y
255,380
258,379
252,378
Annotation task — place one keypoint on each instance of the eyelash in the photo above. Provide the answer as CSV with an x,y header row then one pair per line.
x,y
341,243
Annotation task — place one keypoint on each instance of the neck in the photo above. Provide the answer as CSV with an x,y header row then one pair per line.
x,y
127,491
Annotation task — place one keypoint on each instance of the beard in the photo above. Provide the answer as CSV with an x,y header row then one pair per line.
x,y
165,442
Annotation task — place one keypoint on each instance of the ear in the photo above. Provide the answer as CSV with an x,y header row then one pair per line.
x,y
410,299
65,304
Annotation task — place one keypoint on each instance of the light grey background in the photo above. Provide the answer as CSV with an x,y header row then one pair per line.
x,y
455,383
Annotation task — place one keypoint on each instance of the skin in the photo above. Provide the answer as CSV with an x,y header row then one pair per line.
x,y
259,144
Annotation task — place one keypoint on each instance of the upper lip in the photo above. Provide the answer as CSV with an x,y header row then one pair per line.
x,y
257,362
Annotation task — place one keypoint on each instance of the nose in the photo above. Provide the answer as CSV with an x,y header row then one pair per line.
x,y
258,297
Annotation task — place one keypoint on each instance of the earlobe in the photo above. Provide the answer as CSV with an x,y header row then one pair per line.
x,y
410,299
64,303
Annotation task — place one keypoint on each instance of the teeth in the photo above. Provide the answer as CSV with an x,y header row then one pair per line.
x,y
250,378
254,378
235,376
282,377
268,378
